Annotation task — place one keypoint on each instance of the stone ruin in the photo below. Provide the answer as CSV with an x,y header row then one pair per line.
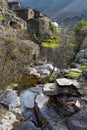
x,y
37,22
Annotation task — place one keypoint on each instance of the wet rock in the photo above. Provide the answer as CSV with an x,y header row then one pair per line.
x,y
9,99
50,89
28,125
78,121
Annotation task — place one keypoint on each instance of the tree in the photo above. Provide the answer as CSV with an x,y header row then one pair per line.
x,y
62,55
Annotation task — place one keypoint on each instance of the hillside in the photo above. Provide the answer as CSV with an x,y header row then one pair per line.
x,y
41,87
62,11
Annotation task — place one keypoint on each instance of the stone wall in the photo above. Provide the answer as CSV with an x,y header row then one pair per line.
x,y
39,27
33,26
25,14
14,5
37,22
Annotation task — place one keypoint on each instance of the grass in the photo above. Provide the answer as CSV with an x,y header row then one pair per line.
x,y
2,17
72,74
83,67
50,43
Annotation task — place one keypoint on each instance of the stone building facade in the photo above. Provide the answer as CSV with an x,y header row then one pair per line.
x,y
14,5
25,14
37,22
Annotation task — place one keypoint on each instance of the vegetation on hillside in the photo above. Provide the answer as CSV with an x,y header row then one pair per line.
x,y
80,32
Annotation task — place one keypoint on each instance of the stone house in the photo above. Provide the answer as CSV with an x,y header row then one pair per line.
x,y
39,26
14,5
37,22
25,13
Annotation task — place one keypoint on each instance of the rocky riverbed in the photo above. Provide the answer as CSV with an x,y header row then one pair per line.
x,y
51,106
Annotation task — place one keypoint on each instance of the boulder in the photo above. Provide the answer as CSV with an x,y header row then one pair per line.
x,y
62,82
47,114
78,121
45,69
27,99
6,122
75,70
83,77
28,125
81,56
29,114
41,100
62,87
27,105
83,61
64,105
50,89
37,89
84,74
9,99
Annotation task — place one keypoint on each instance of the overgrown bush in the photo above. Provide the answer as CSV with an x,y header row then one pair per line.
x,y
15,56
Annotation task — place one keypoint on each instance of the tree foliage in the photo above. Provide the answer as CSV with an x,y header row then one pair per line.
x,y
80,32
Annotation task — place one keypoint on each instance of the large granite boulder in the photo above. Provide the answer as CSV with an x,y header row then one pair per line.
x,y
78,121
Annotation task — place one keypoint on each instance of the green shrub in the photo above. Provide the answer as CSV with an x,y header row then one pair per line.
x,y
80,32
79,26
